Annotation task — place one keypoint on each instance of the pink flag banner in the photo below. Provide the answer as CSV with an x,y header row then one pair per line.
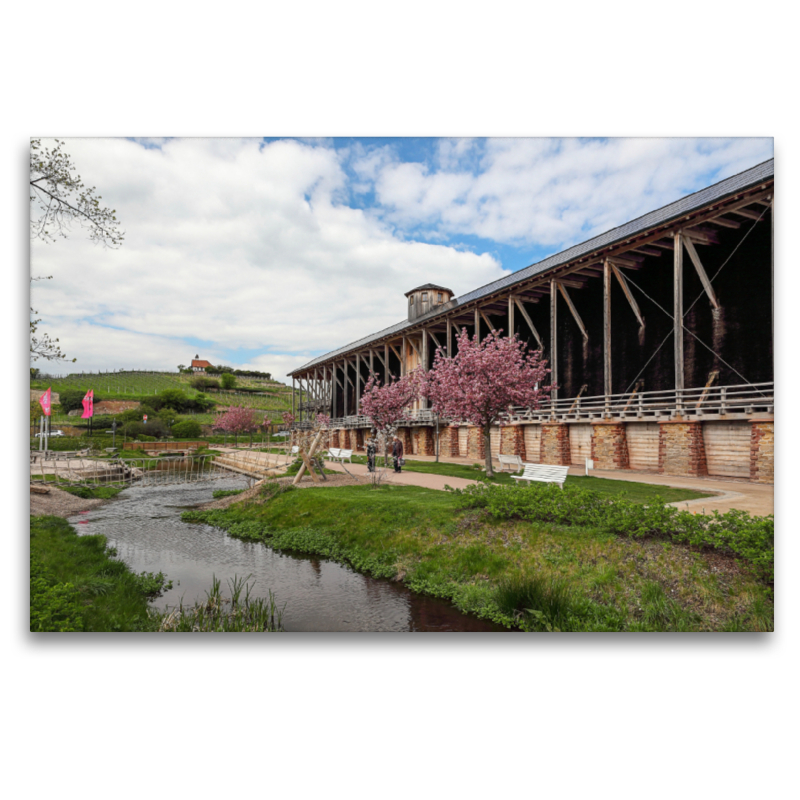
x,y
88,405
44,402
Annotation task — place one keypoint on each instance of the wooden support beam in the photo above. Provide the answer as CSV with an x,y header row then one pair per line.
x,y
511,307
572,284
529,321
487,321
293,391
725,223
626,289
403,360
553,340
399,357
345,393
424,363
449,337
647,251
747,214
664,244
477,324
572,308
607,328
677,309
434,337
701,272
625,263
415,349
334,381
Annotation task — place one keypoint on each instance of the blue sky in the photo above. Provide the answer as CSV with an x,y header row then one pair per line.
x,y
265,253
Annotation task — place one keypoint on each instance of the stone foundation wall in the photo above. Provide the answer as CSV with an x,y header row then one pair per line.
x,y
476,447
359,439
681,450
609,446
405,437
448,442
345,439
426,441
335,438
512,441
555,445
762,452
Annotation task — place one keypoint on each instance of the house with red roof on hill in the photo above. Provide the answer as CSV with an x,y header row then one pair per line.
x,y
199,365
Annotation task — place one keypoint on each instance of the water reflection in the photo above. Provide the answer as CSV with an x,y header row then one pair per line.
x,y
144,525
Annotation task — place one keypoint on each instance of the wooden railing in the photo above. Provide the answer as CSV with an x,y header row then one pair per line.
x,y
728,402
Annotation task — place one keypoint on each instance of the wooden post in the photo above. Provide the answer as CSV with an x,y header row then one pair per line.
x,y
403,359
344,386
358,382
386,363
293,391
371,362
477,324
448,323
333,389
553,340
307,461
677,308
510,331
607,331
423,403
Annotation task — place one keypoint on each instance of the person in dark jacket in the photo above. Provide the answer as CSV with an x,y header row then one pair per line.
x,y
397,453
371,454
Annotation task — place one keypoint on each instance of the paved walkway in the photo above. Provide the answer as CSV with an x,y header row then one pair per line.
x,y
756,498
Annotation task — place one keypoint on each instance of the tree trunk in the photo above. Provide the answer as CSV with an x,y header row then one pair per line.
x,y
487,447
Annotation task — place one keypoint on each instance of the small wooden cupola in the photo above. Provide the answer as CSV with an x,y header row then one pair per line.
x,y
425,298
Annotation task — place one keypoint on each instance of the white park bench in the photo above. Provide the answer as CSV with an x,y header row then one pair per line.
x,y
513,463
339,454
543,473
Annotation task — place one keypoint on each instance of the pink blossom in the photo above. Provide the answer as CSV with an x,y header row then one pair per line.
x,y
484,379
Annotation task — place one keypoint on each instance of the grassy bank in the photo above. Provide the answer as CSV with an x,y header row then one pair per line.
x,y
522,573
76,584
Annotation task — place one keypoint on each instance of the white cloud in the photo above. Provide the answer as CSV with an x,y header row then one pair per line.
x,y
229,242
552,192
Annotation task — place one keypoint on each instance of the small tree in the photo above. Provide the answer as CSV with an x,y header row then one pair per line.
x,y
387,405
228,380
484,379
236,420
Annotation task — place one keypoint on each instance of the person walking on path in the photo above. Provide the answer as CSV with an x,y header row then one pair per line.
x,y
397,453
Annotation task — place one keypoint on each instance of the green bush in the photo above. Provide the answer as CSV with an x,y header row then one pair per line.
x,y
152,430
186,429
228,381
735,532
203,382
71,399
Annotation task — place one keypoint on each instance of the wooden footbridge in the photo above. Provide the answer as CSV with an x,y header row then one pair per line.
x,y
80,469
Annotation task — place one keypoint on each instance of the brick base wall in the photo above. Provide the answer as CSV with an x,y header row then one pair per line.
x,y
335,438
512,441
681,450
448,442
762,452
476,447
345,439
359,439
555,445
426,441
609,446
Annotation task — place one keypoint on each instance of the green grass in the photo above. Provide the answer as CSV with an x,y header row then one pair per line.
x,y
638,492
76,584
534,576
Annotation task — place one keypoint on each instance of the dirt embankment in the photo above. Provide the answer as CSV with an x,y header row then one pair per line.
x,y
58,503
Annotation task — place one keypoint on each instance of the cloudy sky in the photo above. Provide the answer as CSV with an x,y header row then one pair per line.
x,y
265,253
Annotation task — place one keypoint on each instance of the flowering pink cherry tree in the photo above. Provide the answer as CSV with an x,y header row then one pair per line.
x,y
483,379
238,419
387,405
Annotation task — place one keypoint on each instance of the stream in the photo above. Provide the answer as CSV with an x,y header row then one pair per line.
x,y
144,525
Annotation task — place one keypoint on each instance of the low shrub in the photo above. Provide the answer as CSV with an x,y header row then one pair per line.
x,y
186,429
734,532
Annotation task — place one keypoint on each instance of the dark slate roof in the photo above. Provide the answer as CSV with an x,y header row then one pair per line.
x,y
429,286
661,216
